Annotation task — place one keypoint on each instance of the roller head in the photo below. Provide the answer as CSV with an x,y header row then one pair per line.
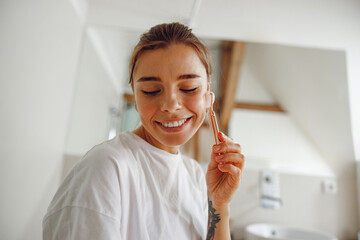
x,y
214,125
212,95
209,99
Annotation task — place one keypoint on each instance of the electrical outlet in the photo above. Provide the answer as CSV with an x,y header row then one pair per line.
x,y
329,186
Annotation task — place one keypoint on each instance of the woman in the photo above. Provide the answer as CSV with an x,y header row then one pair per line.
x,y
138,185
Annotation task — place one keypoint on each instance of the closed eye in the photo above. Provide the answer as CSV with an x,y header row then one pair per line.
x,y
189,90
151,92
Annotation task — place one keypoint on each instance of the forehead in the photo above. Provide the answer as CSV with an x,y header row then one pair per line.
x,y
175,59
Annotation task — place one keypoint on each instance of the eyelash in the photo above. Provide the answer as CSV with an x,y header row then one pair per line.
x,y
157,91
152,92
189,90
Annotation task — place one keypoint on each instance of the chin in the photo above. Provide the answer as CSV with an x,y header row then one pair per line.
x,y
173,142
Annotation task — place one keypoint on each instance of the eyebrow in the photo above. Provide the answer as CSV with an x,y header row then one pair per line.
x,y
181,77
188,76
145,79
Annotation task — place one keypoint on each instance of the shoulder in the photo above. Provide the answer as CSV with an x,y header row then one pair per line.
x,y
105,164
94,182
118,146
109,154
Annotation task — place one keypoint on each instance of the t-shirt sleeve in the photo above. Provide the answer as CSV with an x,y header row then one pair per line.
x,y
87,204
81,224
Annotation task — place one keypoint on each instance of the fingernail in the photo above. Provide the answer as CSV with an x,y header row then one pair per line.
x,y
217,148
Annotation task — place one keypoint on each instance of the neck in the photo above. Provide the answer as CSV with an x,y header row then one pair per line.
x,y
141,132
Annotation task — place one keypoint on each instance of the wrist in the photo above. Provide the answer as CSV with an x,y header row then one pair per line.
x,y
219,206
223,209
218,221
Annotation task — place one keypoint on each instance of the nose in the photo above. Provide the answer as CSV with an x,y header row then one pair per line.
x,y
171,102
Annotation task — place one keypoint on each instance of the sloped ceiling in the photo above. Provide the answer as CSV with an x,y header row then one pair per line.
x,y
311,85
138,14
310,23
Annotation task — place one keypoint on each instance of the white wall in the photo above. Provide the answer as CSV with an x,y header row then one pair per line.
x,y
249,88
94,95
100,83
272,140
39,45
138,15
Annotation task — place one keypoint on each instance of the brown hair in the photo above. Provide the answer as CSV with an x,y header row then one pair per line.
x,y
164,35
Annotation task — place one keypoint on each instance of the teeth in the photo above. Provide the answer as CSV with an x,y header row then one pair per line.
x,y
174,124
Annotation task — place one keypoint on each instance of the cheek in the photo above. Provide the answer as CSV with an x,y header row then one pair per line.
x,y
146,108
197,103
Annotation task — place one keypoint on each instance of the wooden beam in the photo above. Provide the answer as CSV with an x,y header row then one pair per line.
x,y
231,72
225,63
260,107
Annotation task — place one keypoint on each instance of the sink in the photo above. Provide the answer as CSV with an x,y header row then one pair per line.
x,y
261,231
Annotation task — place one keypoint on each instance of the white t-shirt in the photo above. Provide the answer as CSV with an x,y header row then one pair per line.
x,y
126,188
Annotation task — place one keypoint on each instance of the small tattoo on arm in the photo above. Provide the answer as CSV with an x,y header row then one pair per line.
x,y
213,219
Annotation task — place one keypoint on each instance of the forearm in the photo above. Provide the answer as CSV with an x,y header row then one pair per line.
x,y
218,223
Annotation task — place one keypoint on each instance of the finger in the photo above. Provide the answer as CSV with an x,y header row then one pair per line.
x,y
235,172
223,138
213,164
228,146
232,158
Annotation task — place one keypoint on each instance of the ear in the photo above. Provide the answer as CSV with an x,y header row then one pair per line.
x,y
209,99
208,95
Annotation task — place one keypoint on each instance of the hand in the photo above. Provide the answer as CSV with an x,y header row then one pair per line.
x,y
224,171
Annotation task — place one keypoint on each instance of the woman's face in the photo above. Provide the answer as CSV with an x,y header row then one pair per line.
x,y
172,95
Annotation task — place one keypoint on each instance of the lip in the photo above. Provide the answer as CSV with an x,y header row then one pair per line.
x,y
173,129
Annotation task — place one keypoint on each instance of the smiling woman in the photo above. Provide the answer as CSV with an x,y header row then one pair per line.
x,y
138,185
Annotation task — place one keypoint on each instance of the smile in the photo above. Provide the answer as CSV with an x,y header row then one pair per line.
x,y
174,126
